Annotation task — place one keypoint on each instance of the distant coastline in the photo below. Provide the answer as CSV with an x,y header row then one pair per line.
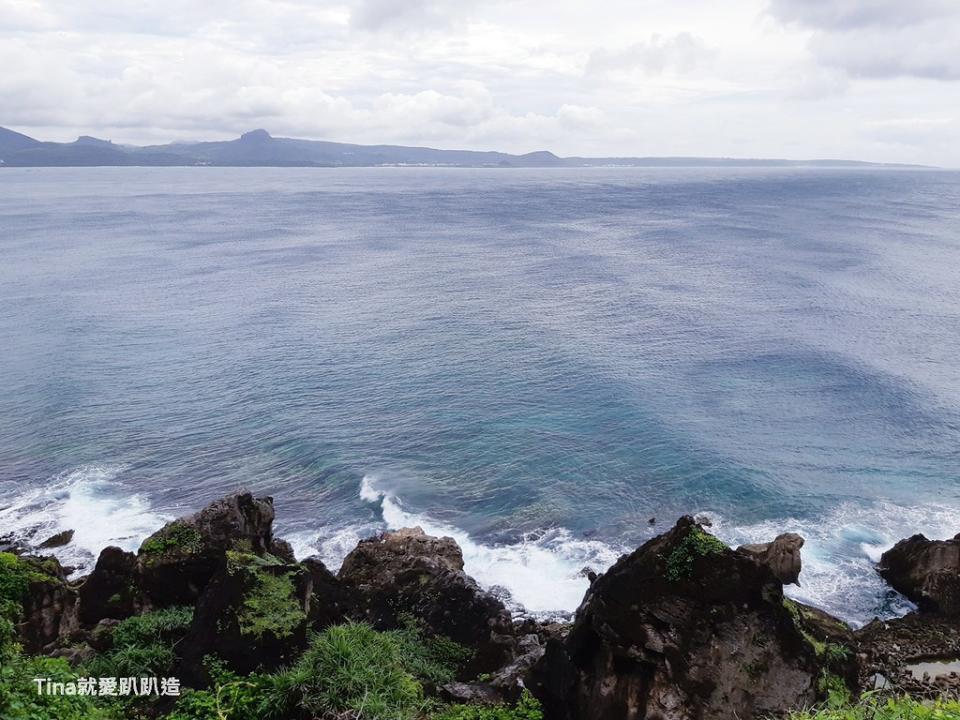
x,y
260,149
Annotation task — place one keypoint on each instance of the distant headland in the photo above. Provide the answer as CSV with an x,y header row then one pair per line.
x,y
260,149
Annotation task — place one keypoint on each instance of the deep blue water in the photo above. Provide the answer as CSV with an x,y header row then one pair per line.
x,y
537,361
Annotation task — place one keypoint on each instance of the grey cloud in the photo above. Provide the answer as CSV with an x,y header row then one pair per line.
x,y
880,38
893,53
852,14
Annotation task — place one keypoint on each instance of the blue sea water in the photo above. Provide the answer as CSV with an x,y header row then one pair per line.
x,y
534,361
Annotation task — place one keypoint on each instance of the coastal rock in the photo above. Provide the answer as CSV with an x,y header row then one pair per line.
x,y
926,571
408,572
49,606
282,549
110,591
683,628
58,540
782,556
252,615
888,648
178,561
330,601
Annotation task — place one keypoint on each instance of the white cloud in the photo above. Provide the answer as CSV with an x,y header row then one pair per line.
x,y
406,14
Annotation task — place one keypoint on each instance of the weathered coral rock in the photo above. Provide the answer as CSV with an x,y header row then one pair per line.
x,y
782,556
926,571
410,573
178,561
110,591
681,629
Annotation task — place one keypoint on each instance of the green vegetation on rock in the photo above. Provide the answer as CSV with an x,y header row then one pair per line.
x,y
16,574
270,603
698,543
177,535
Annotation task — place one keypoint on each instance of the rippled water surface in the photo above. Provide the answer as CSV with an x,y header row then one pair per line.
x,y
535,361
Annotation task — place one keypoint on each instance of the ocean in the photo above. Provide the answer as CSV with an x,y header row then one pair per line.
x,y
548,365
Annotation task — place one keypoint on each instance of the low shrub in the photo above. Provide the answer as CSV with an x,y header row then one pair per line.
x,y
19,699
143,645
348,669
871,707
527,708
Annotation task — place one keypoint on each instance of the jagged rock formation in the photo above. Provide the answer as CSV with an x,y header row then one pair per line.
x,y
410,573
782,556
177,561
681,629
926,571
111,590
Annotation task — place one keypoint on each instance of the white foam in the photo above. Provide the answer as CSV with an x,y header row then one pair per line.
x,y
541,573
842,549
89,500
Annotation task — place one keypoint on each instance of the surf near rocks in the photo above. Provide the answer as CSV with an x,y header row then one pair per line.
x,y
682,628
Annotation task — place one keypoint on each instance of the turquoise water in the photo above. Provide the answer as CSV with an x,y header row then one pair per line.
x,y
536,361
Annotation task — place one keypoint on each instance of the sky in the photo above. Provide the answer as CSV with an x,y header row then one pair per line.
x,y
854,79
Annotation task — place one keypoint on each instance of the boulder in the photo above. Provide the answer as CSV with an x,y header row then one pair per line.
x,y
683,628
58,540
252,614
177,561
926,571
409,573
782,556
111,590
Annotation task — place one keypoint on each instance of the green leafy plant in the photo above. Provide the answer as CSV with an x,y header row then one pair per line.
x,y
230,697
270,603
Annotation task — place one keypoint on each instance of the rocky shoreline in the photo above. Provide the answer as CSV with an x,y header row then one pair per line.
x,y
683,628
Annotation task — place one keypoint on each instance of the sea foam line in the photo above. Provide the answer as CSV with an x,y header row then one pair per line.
x,y
91,501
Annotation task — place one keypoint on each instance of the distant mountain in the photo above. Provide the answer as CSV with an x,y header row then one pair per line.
x,y
12,142
259,148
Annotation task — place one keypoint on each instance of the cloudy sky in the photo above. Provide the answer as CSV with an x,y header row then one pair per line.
x,y
859,79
